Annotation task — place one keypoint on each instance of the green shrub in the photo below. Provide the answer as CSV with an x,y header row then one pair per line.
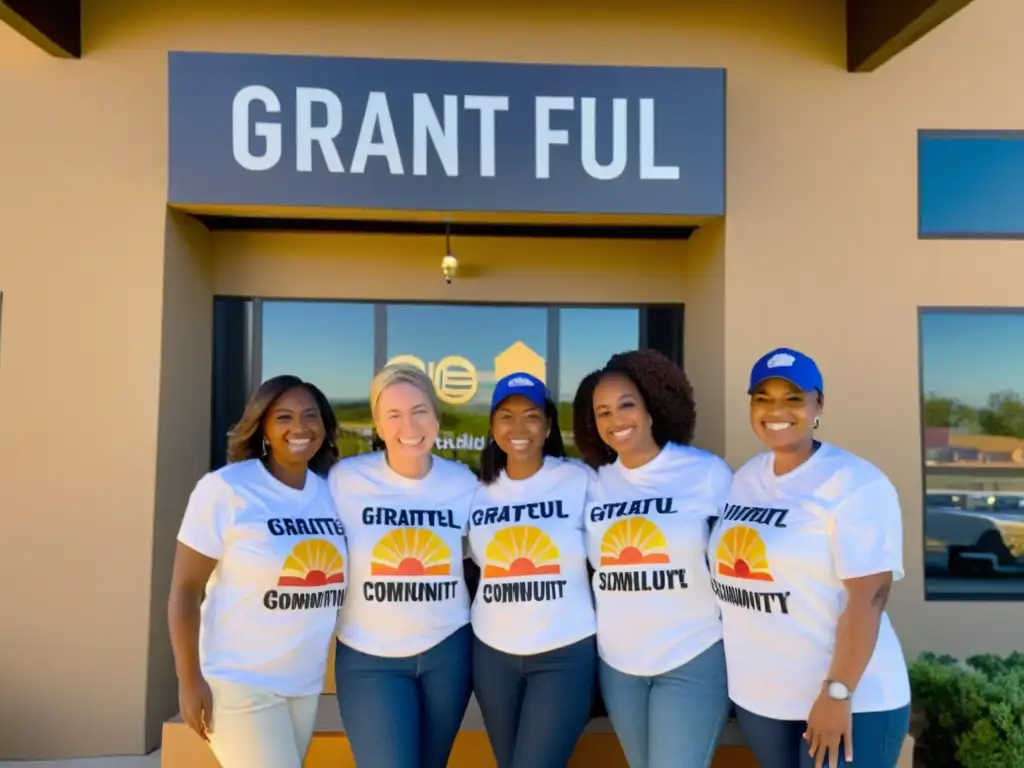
x,y
973,711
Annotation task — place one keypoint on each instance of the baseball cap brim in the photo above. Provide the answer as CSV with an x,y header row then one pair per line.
x,y
803,386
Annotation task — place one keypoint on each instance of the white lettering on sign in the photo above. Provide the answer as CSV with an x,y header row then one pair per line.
x,y
588,149
487,106
377,119
241,125
648,168
547,137
319,122
323,135
445,138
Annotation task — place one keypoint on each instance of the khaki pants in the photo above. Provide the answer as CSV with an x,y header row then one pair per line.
x,y
254,728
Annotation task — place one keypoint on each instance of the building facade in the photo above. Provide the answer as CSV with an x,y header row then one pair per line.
x,y
179,223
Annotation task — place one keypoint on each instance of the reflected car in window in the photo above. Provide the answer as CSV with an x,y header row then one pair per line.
x,y
982,533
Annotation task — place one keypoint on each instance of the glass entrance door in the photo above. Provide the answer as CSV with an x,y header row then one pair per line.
x,y
464,348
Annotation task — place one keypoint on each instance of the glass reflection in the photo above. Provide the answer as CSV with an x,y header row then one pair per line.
x,y
330,344
466,349
973,414
587,338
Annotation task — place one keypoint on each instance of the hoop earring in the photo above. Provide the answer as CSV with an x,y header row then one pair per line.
x,y
817,422
266,444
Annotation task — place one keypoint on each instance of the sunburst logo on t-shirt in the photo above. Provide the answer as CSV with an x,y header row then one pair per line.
x,y
741,554
312,563
521,550
634,541
411,552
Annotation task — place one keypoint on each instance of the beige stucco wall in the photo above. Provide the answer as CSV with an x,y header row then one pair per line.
x,y
105,367
183,433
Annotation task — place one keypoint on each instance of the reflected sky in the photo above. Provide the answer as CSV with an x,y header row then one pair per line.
x,y
331,343
589,337
969,355
970,184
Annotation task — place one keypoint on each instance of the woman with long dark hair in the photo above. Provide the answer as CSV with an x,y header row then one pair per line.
x,y
659,636
534,652
259,576
804,556
403,655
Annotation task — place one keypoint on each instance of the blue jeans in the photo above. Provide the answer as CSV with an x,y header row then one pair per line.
x,y
404,712
877,739
672,720
535,707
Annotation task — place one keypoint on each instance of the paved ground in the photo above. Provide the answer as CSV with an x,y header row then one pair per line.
x,y
149,761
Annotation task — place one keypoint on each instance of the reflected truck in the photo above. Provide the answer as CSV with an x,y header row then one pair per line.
x,y
981,533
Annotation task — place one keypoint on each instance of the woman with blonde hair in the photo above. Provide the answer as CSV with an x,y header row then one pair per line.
x,y
403,663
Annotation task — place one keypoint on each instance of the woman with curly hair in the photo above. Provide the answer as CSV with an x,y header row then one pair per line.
x,y
259,576
659,636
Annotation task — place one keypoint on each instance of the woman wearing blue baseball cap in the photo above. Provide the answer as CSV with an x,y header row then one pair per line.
x,y
533,616
649,502
803,558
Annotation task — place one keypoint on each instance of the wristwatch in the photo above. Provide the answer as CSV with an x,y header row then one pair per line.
x,y
837,690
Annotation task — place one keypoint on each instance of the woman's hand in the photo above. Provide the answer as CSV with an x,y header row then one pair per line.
x,y
196,703
191,574
830,722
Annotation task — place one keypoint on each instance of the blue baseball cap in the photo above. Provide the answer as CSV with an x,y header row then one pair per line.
x,y
789,365
524,384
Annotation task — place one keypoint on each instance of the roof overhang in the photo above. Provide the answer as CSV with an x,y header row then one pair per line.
x,y
876,30
53,25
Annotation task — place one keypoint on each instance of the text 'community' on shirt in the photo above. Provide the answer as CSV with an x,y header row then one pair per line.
x,y
407,591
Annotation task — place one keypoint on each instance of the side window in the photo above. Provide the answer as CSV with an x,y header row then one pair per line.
x,y
972,400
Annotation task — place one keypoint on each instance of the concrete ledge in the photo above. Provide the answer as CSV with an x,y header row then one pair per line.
x,y
328,723
597,748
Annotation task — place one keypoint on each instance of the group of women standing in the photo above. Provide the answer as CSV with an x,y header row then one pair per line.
x,y
650,569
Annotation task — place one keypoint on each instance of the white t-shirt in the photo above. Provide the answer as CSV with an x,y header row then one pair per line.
x,y
272,600
408,592
647,533
779,554
527,538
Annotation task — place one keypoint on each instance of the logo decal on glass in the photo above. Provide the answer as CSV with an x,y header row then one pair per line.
x,y
457,380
